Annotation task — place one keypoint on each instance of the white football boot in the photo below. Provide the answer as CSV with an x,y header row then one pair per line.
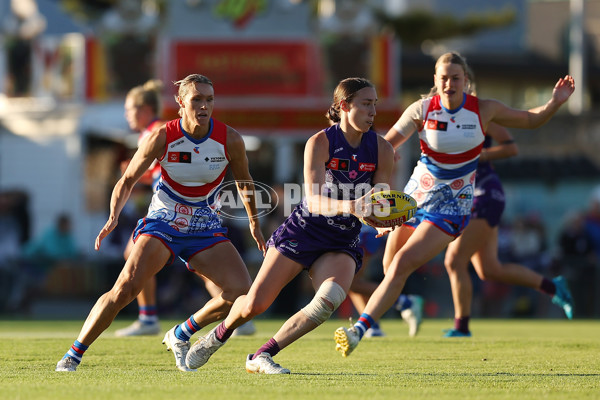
x,y
264,364
413,315
203,349
67,364
139,328
246,329
179,348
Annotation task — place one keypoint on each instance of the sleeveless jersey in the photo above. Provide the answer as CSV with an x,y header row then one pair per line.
x,y
451,142
192,173
348,175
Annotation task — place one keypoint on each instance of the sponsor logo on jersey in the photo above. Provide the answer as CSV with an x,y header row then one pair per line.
x,y
180,157
434,124
369,167
339,164
338,150
467,126
215,159
177,143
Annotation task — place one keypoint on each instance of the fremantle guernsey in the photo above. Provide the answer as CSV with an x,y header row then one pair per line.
x,y
192,173
451,142
349,173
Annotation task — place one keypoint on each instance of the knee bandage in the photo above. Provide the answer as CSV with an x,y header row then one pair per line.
x,y
318,310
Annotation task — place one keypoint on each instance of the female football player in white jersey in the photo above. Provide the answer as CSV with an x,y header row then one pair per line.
x,y
451,126
182,221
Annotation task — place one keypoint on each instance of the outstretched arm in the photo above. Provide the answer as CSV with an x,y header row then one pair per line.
x,y
495,111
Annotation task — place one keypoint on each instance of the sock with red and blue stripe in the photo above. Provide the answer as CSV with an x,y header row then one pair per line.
x,y
76,351
363,324
187,329
148,315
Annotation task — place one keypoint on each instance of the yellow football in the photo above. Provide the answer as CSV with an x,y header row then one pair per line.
x,y
393,207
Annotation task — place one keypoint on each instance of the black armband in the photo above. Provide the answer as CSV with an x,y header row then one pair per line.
x,y
511,141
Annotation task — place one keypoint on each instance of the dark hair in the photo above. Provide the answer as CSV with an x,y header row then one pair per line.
x,y
184,84
345,90
148,94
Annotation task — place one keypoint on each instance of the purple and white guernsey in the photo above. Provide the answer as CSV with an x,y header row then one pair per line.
x,y
303,236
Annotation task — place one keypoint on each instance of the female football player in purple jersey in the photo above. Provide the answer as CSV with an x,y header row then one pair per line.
x,y
451,125
195,152
341,164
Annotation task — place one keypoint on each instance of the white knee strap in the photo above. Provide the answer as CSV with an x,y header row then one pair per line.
x,y
318,310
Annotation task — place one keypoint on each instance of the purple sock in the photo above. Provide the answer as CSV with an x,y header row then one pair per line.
x,y
462,324
548,287
271,347
223,333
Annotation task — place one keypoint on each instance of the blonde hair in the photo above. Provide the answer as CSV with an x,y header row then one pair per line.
x,y
345,90
148,94
185,83
454,57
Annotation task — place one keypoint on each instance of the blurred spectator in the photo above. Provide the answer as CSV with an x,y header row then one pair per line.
x,y
592,220
21,27
55,247
578,262
56,243
529,247
129,32
14,231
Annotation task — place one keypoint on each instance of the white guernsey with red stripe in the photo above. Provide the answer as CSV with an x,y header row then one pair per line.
x,y
451,142
192,173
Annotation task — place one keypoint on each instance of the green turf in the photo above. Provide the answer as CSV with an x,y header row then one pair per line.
x,y
505,359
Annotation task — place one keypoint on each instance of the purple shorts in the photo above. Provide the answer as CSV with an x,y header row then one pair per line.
x,y
489,200
304,241
182,245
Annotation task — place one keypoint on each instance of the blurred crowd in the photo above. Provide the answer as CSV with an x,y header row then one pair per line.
x,y
48,266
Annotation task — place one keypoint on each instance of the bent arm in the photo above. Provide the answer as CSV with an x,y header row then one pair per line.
x,y
410,121
505,148
150,149
316,155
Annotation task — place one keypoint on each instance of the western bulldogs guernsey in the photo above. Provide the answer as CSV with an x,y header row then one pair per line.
x,y
349,172
451,142
192,173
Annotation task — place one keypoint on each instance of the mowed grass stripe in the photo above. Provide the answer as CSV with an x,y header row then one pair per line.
x,y
505,359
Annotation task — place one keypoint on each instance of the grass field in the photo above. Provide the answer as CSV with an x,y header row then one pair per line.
x,y
505,359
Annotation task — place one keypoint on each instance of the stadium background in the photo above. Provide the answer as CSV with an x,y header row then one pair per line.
x,y
65,67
